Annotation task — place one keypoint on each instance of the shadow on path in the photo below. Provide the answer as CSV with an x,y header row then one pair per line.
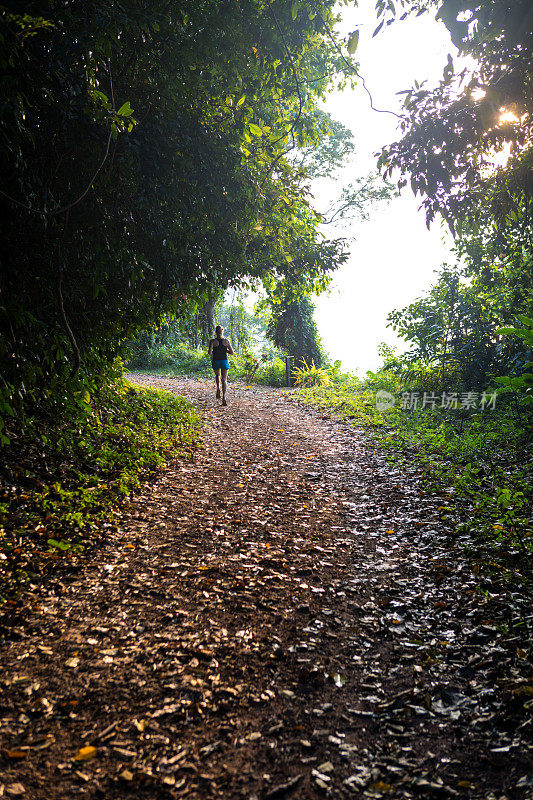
x,y
285,615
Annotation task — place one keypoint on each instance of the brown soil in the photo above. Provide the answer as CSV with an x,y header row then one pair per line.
x,y
284,615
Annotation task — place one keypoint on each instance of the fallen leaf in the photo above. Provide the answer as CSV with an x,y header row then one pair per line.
x,y
15,789
86,753
15,755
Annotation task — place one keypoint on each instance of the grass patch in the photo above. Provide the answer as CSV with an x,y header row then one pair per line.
x,y
62,483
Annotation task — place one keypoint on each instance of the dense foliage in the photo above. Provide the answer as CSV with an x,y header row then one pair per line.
x,y
146,162
455,330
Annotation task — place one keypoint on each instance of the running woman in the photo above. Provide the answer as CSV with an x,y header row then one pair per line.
x,y
218,350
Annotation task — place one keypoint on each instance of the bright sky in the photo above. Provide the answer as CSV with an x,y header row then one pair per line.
x,y
393,255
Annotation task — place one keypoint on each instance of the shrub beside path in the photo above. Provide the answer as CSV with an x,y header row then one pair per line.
x,y
284,615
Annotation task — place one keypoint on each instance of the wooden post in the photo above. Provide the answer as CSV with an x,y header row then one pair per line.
x,y
288,369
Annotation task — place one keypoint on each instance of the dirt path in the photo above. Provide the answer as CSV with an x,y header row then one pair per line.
x,y
286,615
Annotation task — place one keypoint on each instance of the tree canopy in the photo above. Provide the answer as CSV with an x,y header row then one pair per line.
x,y
146,154
467,144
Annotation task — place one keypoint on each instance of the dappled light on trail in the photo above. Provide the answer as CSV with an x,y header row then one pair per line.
x,y
281,613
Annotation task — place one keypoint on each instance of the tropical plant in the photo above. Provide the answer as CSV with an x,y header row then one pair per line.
x,y
310,375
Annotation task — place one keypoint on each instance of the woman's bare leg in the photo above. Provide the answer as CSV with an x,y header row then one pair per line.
x,y
224,385
217,378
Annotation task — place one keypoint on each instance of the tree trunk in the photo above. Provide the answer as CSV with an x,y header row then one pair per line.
x,y
207,319
210,315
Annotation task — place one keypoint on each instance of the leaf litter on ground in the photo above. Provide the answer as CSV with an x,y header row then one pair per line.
x,y
258,628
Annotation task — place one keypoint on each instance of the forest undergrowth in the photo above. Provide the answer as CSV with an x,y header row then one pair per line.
x,y
63,482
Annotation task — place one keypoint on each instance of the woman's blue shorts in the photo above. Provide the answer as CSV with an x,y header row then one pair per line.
x,y
220,363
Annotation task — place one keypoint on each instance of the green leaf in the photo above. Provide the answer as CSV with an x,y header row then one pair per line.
x,y
507,331
353,41
255,129
59,545
294,10
125,110
241,101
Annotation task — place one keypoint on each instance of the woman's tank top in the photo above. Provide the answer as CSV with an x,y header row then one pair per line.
x,y
220,351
